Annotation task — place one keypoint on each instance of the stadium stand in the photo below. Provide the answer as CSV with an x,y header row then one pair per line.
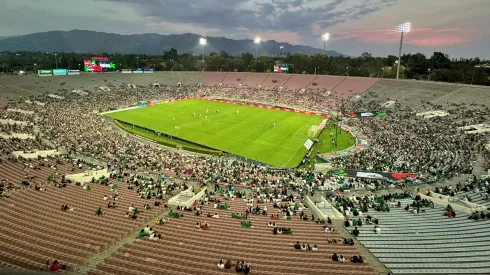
x,y
299,81
3,103
254,80
234,78
276,80
351,86
414,93
427,242
325,82
421,240
210,245
212,79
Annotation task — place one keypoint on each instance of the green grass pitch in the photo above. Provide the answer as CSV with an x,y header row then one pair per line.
x,y
249,133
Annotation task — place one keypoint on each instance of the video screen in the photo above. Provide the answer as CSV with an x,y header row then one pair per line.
x,y
99,66
281,68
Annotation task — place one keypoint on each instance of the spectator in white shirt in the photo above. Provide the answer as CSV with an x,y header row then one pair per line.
x,y
216,216
221,264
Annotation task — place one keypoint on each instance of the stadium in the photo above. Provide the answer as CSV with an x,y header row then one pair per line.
x,y
194,172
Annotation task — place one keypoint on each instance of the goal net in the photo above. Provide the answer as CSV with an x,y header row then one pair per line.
x,y
313,131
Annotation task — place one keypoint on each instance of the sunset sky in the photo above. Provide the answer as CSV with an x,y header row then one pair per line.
x,y
457,27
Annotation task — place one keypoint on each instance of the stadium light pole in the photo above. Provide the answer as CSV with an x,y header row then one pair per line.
x,y
257,42
325,38
202,42
137,62
403,28
56,60
429,73
338,126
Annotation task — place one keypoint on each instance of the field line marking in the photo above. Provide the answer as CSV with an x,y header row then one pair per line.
x,y
286,163
293,136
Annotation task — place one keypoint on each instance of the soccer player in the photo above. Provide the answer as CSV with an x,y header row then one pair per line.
x,y
207,111
274,125
174,118
237,111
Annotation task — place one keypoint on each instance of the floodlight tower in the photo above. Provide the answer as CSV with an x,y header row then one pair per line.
x,y
404,27
202,42
325,38
257,42
138,62
56,60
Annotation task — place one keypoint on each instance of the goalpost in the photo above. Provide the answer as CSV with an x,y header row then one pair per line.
x,y
313,131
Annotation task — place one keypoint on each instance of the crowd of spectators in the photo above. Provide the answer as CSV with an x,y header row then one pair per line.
x,y
314,100
400,142
403,142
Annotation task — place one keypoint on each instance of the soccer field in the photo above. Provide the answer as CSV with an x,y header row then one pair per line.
x,y
242,130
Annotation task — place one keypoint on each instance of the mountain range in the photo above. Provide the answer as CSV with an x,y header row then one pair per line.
x,y
83,41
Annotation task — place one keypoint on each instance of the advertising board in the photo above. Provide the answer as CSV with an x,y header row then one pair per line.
x,y
60,71
100,64
371,174
281,68
73,72
45,72
138,71
308,144
148,70
367,114
126,71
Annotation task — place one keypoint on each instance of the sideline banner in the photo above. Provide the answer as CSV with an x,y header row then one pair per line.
x,y
126,71
73,72
370,174
45,72
368,114
60,72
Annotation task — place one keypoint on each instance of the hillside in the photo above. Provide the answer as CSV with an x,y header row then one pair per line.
x,y
99,42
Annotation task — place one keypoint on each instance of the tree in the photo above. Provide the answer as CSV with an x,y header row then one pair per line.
x,y
247,60
171,55
440,61
413,66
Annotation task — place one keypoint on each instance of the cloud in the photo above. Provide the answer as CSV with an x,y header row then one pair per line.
x,y
296,16
425,37
458,27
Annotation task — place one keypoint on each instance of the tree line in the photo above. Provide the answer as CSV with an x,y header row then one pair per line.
x,y
438,67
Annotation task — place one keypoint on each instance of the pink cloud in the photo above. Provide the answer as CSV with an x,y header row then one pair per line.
x,y
417,36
